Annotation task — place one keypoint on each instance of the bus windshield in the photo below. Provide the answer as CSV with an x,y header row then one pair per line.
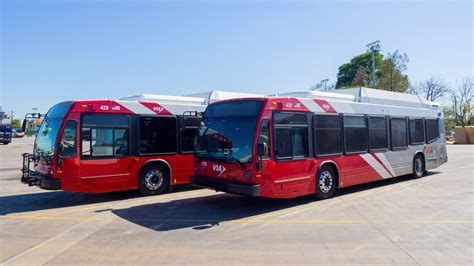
x,y
227,131
48,131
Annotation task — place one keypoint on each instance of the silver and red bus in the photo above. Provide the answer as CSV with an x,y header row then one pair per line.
x,y
302,143
143,142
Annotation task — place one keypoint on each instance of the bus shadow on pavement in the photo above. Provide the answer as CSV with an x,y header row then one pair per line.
x,y
49,200
56,199
381,183
206,212
203,212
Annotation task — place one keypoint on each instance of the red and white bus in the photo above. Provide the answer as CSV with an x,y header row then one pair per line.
x,y
143,142
303,143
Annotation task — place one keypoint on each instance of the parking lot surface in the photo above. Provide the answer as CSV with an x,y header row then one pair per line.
x,y
397,221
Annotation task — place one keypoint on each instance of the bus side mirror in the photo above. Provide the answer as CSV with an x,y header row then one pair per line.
x,y
60,146
262,149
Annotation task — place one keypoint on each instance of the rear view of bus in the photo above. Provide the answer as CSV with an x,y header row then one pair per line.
x,y
304,143
5,127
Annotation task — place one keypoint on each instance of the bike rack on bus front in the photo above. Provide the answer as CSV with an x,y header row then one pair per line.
x,y
29,176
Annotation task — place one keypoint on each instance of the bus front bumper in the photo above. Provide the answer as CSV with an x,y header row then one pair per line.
x,y
233,187
34,179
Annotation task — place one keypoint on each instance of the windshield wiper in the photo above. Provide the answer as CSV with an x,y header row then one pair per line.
x,y
235,160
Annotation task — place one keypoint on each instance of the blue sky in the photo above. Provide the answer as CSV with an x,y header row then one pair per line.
x,y
65,50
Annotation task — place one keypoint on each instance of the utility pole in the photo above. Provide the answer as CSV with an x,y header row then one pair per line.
x,y
373,47
325,82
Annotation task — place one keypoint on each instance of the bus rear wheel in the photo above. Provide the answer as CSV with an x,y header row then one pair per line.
x,y
326,182
154,179
418,166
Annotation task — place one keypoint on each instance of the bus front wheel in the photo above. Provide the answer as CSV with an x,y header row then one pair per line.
x,y
326,182
154,180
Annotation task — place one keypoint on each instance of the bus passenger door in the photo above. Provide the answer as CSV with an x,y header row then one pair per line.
x,y
105,149
292,173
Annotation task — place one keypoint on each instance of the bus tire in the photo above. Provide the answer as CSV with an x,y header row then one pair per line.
x,y
326,182
154,180
419,166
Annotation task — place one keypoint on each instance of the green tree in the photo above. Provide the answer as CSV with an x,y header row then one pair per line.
x,y
449,118
391,76
16,123
347,72
361,78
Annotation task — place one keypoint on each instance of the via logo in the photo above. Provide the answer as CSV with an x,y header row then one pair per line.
x,y
326,107
429,149
158,109
218,168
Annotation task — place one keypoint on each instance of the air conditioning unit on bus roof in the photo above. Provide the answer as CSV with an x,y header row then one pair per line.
x,y
164,99
201,98
315,94
364,95
216,95
383,97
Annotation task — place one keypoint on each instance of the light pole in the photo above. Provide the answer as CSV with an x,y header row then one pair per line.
x,y
373,47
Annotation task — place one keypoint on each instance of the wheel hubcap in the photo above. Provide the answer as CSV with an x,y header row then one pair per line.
x,y
418,166
153,179
325,181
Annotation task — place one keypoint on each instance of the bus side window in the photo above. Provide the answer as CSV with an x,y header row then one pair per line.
x,y
355,134
291,135
68,144
104,135
158,135
378,139
102,142
188,136
120,141
189,126
398,133
432,130
417,131
283,143
264,137
327,134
